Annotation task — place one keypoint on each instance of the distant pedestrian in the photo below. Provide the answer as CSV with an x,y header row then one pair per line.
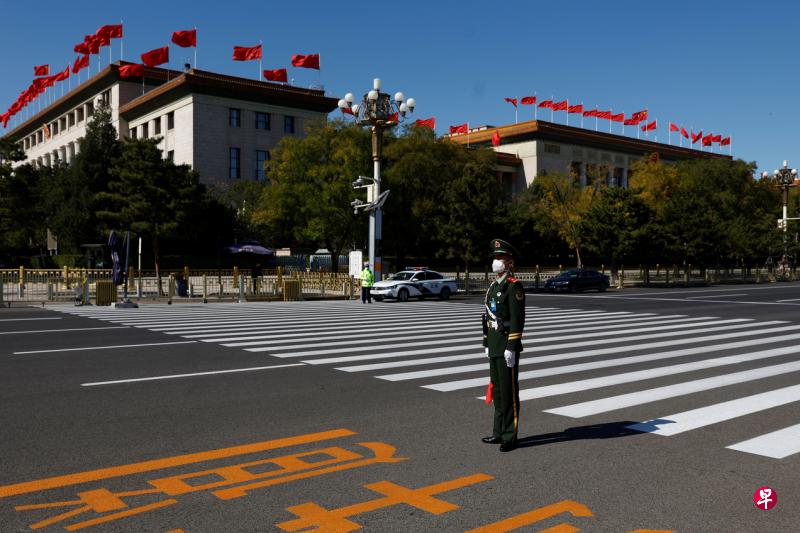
x,y
367,280
503,322
255,275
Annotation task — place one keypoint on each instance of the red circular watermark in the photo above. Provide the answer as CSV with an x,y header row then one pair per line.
x,y
765,498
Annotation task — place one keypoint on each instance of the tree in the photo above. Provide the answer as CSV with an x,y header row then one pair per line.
x,y
307,200
21,211
148,195
71,194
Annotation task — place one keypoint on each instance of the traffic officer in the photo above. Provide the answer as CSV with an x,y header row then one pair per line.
x,y
503,322
367,281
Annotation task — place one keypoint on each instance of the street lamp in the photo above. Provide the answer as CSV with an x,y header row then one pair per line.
x,y
785,177
380,112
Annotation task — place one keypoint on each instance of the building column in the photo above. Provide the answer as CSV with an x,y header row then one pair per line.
x,y
610,177
62,154
583,174
625,177
70,153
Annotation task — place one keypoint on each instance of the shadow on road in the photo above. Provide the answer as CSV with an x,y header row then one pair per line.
x,y
610,430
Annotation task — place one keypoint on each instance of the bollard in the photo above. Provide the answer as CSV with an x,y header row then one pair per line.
x,y
686,274
621,277
66,278
242,298
205,288
235,277
2,290
191,290
171,288
49,291
537,278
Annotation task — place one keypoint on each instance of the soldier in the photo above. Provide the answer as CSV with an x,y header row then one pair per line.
x,y
503,322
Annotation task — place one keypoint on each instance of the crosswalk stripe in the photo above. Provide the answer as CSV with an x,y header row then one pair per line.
x,y
622,401
285,344
718,412
777,444
480,382
411,362
388,355
362,349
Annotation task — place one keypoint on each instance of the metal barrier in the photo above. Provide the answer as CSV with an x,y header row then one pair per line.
x,y
292,290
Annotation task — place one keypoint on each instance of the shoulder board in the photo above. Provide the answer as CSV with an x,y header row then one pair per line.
x,y
512,279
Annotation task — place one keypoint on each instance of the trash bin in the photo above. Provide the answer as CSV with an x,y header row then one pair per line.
x,y
105,292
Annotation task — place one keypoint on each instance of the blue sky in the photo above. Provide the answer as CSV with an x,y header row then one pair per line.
x,y
723,67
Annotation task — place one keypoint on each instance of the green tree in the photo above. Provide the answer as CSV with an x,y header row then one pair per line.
x,y
22,227
148,194
307,200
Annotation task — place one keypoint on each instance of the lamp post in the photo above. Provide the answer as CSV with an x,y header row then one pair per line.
x,y
380,112
785,177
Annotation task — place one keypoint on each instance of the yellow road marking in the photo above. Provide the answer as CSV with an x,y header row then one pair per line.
x,y
167,462
509,524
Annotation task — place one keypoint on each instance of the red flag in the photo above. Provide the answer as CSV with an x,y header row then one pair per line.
x,y
576,109
242,53
716,138
489,393
591,113
110,31
346,111
650,127
604,114
528,100
80,63
103,40
684,133
619,117
641,116
725,142
673,127
156,57
707,140
394,117
63,75
463,128
560,106
546,103
93,43
496,138
41,70
428,122
279,74
696,136
632,122
185,38
131,71
512,101
309,61
82,48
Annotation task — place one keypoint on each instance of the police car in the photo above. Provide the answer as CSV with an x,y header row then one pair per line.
x,y
414,283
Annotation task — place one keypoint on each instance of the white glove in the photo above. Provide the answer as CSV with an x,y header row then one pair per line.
x,y
486,351
510,358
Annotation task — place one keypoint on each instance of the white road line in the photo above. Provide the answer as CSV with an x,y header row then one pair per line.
x,y
777,444
659,336
373,348
481,382
412,362
621,401
719,412
388,355
717,296
176,376
27,319
685,327
285,344
789,300
688,300
58,330
104,347
335,334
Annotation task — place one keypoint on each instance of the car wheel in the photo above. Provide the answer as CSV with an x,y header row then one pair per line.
x,y
603,287
445,293
402,295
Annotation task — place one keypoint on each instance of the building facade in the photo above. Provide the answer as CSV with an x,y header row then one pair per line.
x,y
536,147
224,127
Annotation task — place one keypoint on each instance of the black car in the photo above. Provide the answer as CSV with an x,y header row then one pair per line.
x,y
576,280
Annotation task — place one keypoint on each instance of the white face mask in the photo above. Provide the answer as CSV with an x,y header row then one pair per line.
x,y
498,266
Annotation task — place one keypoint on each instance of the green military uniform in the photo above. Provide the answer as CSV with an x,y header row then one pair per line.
x,y
504,321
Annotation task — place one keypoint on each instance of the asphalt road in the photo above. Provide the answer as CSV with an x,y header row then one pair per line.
x,y
643,409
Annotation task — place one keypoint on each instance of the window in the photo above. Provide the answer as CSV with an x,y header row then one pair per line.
x,y
71,119
39,136
89,109
262,156
79,111
234,117
145,131
157,126
171,155
170,120
234,165
63,122
552,149
288,124
262,121
54,128
106,97
133,133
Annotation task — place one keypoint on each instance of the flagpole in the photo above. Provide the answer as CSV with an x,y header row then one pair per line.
x,y
121,42
610,121
261,53
195,47
467,134
552,113
535,104
516,119
623,123
581,113
567,111
730,146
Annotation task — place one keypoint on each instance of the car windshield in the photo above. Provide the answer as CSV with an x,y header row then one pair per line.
x,y
402,276
570,273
